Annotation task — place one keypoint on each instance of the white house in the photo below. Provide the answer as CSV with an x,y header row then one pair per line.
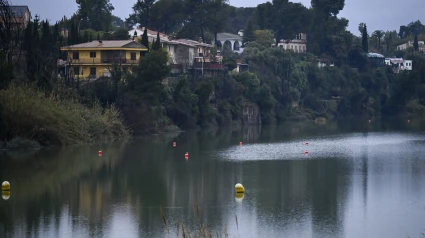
x,y
232,41
399,64
409,44
298,45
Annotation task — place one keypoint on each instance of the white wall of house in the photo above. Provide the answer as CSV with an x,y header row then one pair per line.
x,y
294,46
399,64
409,44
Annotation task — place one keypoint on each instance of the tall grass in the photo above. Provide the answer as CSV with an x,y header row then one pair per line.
x,y
49,119
203,232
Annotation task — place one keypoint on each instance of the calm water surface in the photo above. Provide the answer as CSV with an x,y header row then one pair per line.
x,y
358,180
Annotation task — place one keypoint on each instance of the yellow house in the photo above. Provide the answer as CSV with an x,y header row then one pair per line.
x,y
95,59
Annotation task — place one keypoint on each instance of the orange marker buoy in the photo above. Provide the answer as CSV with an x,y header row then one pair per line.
x,y
100,153
174,144
240,143
186,156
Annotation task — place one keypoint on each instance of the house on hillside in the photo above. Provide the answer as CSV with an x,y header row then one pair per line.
x,y
151,34
94,59
298,45
399,64
409,44
377,60
20,16
230,41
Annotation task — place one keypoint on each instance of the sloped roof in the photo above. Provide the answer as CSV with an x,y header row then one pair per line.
x,y
19,11
108,44
191,42
375,55
228,36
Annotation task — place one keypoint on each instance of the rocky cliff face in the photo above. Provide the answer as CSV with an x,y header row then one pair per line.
x,y
251,114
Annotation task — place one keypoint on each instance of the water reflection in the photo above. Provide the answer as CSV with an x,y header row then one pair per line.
x,y
359,180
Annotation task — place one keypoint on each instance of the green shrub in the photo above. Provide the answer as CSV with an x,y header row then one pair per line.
x,y
49,119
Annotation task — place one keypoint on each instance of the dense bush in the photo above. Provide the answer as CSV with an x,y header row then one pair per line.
x,y
29,113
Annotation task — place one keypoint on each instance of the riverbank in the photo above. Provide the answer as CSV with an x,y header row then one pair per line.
x,y
52,119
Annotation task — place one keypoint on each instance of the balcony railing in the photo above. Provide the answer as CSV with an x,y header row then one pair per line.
x,y
103,61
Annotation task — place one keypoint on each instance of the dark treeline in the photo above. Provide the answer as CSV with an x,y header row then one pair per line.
x,y
37,104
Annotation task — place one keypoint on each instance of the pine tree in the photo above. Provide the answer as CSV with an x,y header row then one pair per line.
x,y
416,43
248,34
365,38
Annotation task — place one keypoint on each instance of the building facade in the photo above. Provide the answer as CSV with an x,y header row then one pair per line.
x,y
95,59
230,41
409,44
298,45
399,64
19,16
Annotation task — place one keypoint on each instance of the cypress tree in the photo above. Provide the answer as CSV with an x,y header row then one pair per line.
x,y
157,44
145,40
416,43
365,38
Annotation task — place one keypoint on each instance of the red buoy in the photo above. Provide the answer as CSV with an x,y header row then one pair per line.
x,y
306,143
174,144
99,153
240,143
306,152
186,156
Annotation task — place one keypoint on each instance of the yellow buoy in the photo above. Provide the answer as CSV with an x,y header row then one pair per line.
x,y
239,197
5,195
239,188
5,186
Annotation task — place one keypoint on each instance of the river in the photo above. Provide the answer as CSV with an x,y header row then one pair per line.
x,y
359,179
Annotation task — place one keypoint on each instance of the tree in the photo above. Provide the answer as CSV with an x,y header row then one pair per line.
x,y
157,44
290,19
264,38
415,43
365,38
141,13
121,34
248,33
145,84
96,14
389,37
328,7
378,34
361,27
167,15
145,40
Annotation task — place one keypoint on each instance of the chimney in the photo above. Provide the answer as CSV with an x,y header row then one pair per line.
x,y
100,43
200,39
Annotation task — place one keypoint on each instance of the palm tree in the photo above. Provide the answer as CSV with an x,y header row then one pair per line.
x,y
378,34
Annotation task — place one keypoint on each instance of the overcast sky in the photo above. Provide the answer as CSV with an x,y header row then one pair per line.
x,y
378,14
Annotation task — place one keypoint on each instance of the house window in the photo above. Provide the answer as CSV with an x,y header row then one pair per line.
x,y
93,54
76,55
124,70
133,55
76,70
93,71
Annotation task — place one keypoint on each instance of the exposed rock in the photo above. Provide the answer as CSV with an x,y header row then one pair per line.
x,y
251,114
